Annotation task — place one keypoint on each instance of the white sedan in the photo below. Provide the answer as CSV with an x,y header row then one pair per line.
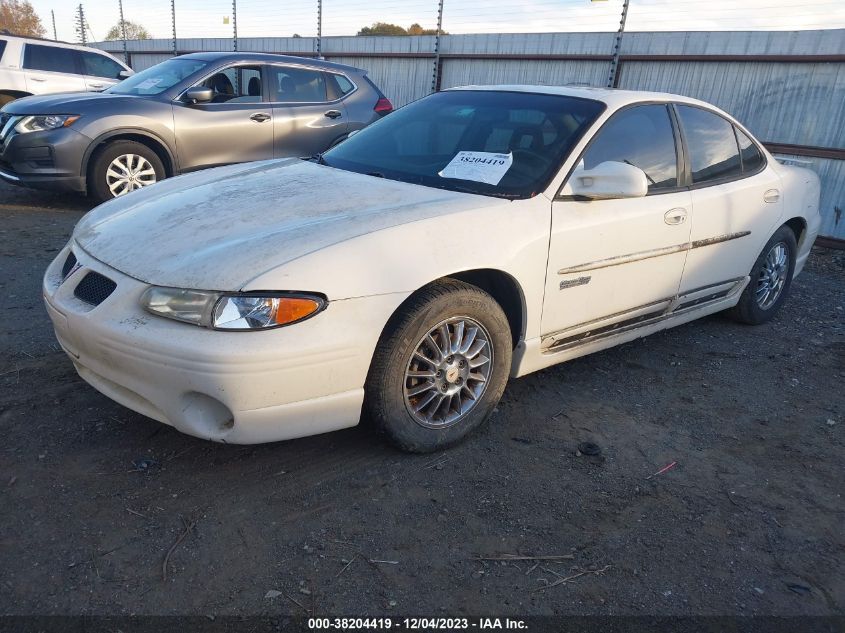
x,y
404,275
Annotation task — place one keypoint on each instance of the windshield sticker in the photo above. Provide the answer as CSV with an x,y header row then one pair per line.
x,y
478,166
149,83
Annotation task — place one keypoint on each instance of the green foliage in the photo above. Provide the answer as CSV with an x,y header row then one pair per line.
x,y
134,31
385,28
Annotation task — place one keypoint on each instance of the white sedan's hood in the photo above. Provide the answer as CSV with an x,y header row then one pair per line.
x,y
220,228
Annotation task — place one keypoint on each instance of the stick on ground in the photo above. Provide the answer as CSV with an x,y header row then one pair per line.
x,y
561,581
189,527
518,557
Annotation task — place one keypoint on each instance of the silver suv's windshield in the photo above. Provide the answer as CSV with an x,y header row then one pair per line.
x,y
158,78
503,144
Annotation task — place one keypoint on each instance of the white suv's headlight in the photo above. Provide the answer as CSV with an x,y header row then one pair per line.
x,y
38,123
236,312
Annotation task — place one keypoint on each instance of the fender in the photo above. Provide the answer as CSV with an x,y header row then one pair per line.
x,y
137,131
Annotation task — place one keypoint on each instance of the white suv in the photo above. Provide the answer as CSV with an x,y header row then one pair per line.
x,y
30,66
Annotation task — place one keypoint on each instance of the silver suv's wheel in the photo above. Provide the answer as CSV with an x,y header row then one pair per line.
x,y
121,167
129,172
440,367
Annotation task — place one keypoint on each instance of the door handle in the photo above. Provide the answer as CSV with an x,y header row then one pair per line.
x,y
260,117
772,195
333,114
675,216
37,79
96,86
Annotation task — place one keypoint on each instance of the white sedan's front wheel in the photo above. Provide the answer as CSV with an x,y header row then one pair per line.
x,y
440,368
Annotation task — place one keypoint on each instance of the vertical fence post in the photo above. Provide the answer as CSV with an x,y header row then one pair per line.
x,y
612,80
80,26
55,34
123,32
319,29
173,23
235,25
435,78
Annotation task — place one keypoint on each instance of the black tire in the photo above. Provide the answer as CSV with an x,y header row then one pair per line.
x,y
385,403
749,310
98,187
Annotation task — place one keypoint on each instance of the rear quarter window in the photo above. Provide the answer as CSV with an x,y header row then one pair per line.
x,y
752,158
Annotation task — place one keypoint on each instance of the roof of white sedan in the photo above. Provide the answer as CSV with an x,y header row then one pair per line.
x,y
611,96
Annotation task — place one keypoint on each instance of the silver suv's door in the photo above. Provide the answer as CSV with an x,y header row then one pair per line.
x,y
51,69
305,122
235,127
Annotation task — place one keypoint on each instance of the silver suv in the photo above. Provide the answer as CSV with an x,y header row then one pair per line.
x,y
187,113
31,66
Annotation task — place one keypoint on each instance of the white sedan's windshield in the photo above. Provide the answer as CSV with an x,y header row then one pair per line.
x,y
496,143
158,78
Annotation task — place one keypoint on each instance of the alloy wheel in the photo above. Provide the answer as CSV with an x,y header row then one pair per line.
x,y
448,372
773,276
129,172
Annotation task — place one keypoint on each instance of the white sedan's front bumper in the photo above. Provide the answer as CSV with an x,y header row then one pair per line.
x,y
237,387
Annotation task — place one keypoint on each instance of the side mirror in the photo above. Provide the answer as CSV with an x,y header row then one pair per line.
x,y
199,94
606,181
125,74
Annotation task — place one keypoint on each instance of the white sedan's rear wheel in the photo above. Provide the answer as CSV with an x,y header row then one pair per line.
x,y
771,278
440,367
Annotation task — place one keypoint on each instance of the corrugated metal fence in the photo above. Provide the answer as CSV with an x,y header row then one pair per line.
x,y
787,87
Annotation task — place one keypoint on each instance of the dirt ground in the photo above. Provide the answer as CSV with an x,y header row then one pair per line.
x,y
748,521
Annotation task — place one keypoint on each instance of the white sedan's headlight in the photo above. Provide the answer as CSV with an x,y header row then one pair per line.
x,y
38,123
222,311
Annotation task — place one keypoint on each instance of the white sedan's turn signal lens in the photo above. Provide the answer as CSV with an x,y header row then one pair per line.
x,y
256,312
190,306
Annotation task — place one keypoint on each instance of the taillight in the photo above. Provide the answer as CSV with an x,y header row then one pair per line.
x,y
383,106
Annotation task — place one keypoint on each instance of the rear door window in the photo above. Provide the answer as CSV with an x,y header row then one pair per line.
x,y
2,48
714,154
51,58
98,65
641,136
297,85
